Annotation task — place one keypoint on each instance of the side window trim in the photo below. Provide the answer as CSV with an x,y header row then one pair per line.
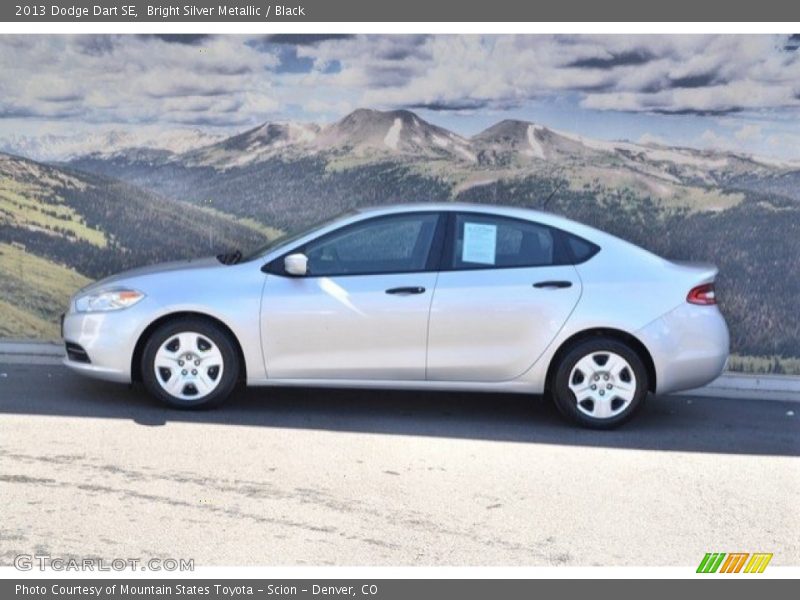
x,y
436,252
432,262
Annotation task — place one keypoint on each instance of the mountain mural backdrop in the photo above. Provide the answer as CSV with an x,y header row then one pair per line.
x,y
90,214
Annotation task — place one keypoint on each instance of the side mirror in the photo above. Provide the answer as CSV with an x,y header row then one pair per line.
x,y
296,264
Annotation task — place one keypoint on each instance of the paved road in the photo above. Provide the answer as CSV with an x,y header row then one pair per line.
x,y
357,478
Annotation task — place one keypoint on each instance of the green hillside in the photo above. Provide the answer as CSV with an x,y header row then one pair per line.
x,y
60,229
34,291
99,226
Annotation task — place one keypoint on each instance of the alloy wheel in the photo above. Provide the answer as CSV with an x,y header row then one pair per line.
x,y
188,366
604,384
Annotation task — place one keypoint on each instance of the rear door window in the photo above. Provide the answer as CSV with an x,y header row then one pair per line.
x,y
488,241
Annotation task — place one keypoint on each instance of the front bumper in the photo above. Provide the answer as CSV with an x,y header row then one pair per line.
x,y
108,339
689,346
105,373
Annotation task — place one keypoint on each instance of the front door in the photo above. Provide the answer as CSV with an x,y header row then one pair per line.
x,y
362,310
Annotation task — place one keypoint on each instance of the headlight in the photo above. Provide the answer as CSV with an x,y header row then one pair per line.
x,y
107,300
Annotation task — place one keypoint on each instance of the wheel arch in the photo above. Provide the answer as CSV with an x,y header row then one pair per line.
x,y
623,336
138,351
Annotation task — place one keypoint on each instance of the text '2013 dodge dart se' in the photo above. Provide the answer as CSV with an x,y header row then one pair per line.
x,y
433,296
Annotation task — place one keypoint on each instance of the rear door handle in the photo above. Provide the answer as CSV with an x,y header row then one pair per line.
x,y
406,291
552,284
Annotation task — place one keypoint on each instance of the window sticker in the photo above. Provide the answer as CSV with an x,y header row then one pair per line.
x,y
480,243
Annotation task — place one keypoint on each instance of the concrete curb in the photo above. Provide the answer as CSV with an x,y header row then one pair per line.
x,y
32,348
784,388
745,385
31,352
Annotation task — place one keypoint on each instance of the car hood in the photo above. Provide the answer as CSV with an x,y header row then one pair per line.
x,y
178,265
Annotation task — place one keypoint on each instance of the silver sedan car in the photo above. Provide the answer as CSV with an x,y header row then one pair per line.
x,y
423,297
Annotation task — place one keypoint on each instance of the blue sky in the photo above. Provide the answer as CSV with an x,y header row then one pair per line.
x,y
729,92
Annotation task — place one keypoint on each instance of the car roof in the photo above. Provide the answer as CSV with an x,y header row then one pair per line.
x,y
498,209
545,218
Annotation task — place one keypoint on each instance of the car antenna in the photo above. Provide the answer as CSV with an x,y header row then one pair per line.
x,y
553,193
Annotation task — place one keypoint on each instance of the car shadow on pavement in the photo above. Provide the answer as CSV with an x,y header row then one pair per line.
x,y
672,423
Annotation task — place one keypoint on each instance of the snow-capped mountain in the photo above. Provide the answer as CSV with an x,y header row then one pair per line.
x,y
62,147
506,150
402,135
512,140
363,133
253,145
366,132
522,140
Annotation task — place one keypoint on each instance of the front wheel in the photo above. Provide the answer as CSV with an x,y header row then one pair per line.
x,y
600,383
190,363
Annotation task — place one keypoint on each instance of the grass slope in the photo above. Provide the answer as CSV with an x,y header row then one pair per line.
x,y
34,293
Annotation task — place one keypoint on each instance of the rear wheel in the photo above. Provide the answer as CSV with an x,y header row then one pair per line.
x,y
600,383
190,363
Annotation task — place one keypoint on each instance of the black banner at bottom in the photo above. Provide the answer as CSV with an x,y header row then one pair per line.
x,y
380,589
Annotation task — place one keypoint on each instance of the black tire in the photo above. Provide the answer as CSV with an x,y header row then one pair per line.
x,y
208,332
593,349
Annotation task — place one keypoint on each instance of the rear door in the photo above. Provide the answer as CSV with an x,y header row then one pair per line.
x,y
505,290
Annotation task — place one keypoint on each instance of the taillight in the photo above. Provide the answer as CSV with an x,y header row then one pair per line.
x,y
702,294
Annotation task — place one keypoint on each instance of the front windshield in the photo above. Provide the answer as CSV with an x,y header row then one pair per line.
x,y
288,238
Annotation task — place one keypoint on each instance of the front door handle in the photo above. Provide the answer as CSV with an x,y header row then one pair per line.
x,y
406,291
553,284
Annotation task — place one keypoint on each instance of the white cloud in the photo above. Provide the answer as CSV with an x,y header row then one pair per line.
x,y
135,79
671,74
749,132
713,140
649,138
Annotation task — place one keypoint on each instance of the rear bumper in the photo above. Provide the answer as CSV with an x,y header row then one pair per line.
x,y
689,346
